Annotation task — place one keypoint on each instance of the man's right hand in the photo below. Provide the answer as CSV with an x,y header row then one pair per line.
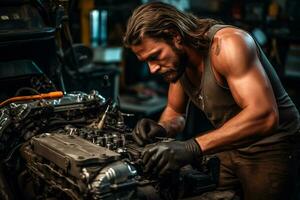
x,y
147,129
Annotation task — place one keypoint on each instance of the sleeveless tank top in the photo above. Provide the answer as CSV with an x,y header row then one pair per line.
x,y
219,106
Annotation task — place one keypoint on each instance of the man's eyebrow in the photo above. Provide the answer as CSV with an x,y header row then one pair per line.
x,y
153,54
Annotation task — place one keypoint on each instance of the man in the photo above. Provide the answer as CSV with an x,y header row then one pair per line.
x,y
226,75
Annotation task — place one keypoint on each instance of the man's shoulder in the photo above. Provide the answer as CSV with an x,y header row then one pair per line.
x,y
231,33
231,46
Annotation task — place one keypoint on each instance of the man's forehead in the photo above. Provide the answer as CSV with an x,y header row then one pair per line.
x,y
147,47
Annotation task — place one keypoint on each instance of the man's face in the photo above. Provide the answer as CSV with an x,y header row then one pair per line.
x,y
162,58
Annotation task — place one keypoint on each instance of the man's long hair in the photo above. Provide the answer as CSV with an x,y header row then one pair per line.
x,y
160,21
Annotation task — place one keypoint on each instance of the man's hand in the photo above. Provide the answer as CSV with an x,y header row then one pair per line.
x,y
164,157
146,130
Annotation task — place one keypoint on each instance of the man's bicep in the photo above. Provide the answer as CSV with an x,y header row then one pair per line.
x,y
249,83
252,88
245,74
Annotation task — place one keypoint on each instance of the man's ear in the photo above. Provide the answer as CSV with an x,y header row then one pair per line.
x,y
174,36
177,39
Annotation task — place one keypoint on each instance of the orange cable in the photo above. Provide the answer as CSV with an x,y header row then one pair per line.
x,y
50,95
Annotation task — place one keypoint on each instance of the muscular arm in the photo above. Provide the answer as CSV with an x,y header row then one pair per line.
x,y
172,118
235,59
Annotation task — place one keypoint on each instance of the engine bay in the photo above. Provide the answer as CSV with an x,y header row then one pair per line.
x,y
79,147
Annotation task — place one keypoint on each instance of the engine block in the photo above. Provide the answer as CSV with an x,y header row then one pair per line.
x,y
78,147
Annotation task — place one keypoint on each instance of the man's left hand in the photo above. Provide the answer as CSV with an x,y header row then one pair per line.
x,y
165,157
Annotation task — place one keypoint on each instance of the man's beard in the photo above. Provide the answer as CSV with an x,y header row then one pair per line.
x,y
174,74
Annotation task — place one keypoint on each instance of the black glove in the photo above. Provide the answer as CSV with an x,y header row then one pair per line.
x,y
145,130
165,157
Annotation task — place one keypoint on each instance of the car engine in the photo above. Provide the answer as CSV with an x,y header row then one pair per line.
x,y
79,147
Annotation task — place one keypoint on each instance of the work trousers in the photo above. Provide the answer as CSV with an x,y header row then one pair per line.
x,y
261,175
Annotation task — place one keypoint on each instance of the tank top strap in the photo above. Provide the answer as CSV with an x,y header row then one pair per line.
x,y
212,31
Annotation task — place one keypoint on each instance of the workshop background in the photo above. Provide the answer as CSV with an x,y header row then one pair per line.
x,y
76,45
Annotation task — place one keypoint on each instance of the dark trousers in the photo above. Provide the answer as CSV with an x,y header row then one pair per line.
x,y
262,175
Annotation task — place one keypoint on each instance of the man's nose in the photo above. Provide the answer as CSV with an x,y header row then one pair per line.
x,y
154,67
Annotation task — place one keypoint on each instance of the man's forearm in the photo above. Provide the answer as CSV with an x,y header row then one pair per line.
x,y
172,120
174,125
247,126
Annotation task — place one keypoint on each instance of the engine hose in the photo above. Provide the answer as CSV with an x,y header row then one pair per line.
x,y
50,95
